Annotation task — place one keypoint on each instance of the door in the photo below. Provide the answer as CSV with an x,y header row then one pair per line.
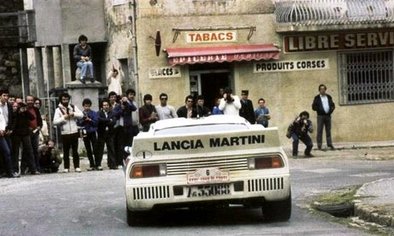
x,y
208,84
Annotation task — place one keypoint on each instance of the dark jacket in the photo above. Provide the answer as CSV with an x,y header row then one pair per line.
x,y
182,112
22,121
318,106
79,51
202,111
106,123
300,127
145,113
124,111
247,111
89,125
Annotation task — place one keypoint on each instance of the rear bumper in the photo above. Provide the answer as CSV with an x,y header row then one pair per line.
x,y
172,192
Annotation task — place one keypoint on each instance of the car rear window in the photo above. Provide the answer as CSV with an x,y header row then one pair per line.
x,y
198,129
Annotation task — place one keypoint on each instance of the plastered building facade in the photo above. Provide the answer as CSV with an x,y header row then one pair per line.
x,y
159,43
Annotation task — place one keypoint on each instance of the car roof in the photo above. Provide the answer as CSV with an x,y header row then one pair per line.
x,y
209,120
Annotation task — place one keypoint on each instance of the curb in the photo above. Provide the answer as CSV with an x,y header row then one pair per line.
x,y
370,212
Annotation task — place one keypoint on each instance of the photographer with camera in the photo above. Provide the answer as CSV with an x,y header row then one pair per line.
x,y
66,116
88,131
230,104
49,157
298,130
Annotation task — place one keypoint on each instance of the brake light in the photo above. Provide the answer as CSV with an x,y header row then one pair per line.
x,y
268,162
143,171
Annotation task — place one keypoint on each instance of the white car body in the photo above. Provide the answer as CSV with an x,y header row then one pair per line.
x,y
211,160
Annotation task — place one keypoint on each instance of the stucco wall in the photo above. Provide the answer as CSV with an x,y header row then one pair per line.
x,y
286,93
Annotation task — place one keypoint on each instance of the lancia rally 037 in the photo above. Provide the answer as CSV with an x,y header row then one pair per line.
x,y
215,160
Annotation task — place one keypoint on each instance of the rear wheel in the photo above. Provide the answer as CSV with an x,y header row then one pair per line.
x,y
277,210
134,218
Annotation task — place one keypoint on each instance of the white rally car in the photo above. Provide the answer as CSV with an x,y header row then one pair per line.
x,y
215,160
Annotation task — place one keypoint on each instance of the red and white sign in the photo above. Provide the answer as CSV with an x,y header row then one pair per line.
x,y
210,36
208,176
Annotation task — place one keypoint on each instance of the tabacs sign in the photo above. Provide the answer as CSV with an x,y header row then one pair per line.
x,y
165,72
210,36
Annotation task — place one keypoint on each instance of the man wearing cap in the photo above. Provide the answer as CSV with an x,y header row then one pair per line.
x,y
247,110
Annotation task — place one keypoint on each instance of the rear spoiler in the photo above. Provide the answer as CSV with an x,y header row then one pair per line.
x,y
202,143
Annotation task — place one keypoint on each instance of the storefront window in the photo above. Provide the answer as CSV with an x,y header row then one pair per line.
x,y
366,77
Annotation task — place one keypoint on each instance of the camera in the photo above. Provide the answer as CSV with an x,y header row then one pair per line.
x,y
229,98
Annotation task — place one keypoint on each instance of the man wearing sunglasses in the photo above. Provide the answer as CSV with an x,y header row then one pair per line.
x,y
164,110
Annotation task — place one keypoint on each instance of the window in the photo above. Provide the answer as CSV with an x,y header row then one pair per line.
x,y
366,77
200,129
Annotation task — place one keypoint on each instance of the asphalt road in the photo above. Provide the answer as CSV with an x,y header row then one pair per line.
x,y
93,203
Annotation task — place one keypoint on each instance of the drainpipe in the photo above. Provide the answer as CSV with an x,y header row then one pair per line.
x,y
134,46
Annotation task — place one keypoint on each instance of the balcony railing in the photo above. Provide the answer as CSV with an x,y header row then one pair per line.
x,y
17,28
334,12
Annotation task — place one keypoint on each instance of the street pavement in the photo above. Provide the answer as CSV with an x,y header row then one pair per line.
x,y
375,200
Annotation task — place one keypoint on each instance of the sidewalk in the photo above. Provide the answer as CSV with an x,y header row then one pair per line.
x,y
375,200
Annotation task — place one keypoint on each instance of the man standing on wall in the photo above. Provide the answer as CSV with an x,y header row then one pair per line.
x,y
324,106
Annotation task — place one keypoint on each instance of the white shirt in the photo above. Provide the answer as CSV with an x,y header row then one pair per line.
x,y
3,122
230,108
324,101
166,112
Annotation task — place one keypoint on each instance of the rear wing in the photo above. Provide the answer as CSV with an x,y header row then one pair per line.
x,y
203,143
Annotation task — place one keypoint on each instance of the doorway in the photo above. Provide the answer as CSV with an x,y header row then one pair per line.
x,y
208,84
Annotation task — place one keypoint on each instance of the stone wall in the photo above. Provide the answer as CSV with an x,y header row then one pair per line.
x,y
9,57
10,70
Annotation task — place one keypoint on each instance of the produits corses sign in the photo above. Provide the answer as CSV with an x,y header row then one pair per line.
x,y
283,66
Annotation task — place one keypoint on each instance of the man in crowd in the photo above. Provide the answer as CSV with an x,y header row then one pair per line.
x,y
35,125
6,127
66,116
188,110
201,110
49,157
105,131
246,110
88,131
324,107
148,113
230,104
165,111
298,130
262,113
127,125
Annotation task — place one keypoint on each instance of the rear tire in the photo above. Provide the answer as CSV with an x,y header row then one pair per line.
x,y
277,210
134,218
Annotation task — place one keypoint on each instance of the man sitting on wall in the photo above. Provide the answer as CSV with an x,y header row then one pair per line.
x,y
83,57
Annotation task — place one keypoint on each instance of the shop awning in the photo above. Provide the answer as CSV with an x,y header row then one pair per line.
x,y
182,56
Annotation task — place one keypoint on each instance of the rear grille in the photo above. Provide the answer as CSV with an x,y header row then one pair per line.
x,y
224,164
269,184
154,192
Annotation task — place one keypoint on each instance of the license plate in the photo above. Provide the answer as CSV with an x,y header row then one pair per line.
x,y
208,190
208,176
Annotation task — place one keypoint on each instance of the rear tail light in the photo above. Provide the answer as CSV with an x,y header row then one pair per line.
x,y
144,171
268,162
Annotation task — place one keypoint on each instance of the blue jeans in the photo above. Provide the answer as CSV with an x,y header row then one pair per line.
x,y
6,153
86,69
